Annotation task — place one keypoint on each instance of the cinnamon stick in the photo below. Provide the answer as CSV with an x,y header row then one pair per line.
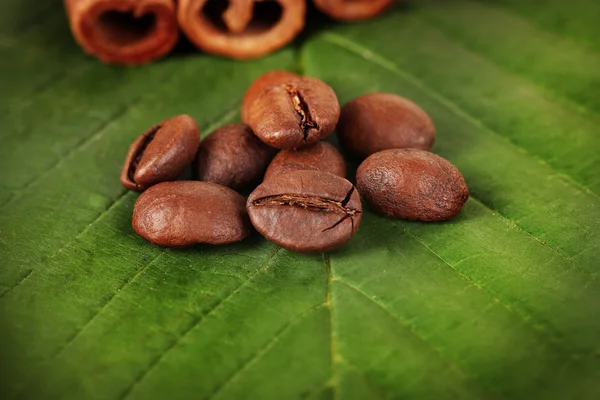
x,y
124,31
241,29
352,10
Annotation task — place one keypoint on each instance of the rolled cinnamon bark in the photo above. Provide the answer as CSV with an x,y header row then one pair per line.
x,y
241,28
352,10
124,31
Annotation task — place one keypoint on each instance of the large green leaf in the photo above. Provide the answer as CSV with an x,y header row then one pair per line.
x,y
502,302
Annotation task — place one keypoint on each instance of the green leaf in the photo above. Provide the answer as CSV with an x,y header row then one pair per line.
x,y
501,302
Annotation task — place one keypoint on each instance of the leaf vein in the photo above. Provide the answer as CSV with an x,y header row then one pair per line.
x,y
332,349
114,203
46,85
254,358
373,385
195,324
552,337
410,327
225,117
566,258
556,96
105,305
590,45
368,55
54,254
80,146
11,288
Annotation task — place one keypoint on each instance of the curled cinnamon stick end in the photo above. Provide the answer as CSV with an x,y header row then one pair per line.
x,y
241,29
124,31
353,10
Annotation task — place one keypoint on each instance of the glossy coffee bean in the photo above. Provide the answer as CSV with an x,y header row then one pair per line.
x,y
306,211
161,154
381,121
233,156
184,213
412,184
320,156
294,114
272,78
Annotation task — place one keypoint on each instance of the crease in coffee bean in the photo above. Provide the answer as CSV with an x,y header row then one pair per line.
x,y
301,108
307,202
314,203
339,222
140,152
348,196
345,202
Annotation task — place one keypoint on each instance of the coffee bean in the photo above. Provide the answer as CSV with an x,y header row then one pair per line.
x,y
183,213
161,154
380,121
233,156
306,211
412,184
294,114
271,78
320,156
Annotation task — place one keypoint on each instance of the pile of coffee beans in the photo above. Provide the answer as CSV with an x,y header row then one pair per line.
x,y
304,203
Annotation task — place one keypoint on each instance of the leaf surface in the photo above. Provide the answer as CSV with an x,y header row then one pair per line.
x,y
501,302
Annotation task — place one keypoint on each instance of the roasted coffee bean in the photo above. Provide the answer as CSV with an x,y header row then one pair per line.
x,y
412,184
294,114
272,78
233,156
183,213
320,156
161,154
306,211
381,121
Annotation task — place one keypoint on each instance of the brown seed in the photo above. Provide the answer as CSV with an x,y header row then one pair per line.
x,y
272,78
306,211
320,156
294,114
183,213
380,121
161,154
233,156
412,184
